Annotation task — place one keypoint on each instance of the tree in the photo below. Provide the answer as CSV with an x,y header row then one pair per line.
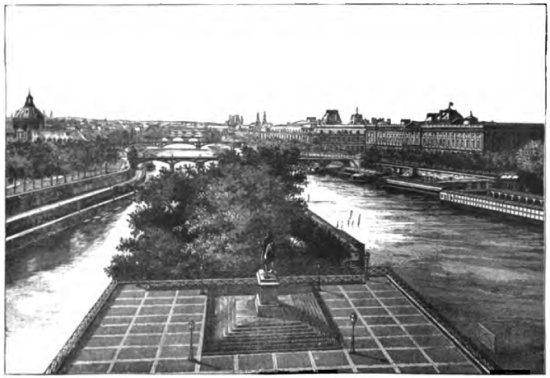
x,y
216,218
530,158
530,162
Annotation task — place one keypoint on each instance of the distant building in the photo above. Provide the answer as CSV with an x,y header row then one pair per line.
x,y
28,122
234,120
331,117
328,134
448,130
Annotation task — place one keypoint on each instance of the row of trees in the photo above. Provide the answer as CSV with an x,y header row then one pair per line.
x,y
527,161
212,222
42,159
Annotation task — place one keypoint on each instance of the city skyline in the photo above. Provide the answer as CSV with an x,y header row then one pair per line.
x,y
203,63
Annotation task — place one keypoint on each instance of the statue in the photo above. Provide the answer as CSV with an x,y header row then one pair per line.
x,y
268,255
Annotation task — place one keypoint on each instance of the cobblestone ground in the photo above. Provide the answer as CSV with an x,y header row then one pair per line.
x,y
148,332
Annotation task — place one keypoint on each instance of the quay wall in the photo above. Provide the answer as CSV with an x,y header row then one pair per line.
x,y
354,246
43,230
513,209
27,201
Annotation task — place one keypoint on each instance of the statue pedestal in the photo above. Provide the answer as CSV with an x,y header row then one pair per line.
x,y
267,300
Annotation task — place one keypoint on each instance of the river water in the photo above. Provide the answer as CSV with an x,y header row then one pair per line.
x,y
473,269
51,285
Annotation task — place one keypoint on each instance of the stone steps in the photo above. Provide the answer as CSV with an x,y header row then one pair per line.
x,y
301,325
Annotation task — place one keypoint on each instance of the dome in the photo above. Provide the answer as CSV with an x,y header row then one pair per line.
x,y
29,111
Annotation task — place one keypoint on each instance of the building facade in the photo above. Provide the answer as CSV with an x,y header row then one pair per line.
x,y
449,131
327,134
27,122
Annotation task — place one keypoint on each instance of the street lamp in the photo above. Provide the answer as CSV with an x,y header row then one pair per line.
x,y
353,318
191,328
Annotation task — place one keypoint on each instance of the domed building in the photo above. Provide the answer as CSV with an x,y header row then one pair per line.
x,y
28,122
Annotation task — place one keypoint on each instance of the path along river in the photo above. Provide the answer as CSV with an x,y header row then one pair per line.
x,y
473,269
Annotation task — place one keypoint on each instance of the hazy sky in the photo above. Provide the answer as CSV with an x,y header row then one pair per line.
x,y
206,62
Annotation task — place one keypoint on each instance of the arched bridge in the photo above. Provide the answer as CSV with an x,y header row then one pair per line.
x,y
326,159
172,157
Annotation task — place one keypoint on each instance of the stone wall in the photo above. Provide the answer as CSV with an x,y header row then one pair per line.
x,y
44,226
23,202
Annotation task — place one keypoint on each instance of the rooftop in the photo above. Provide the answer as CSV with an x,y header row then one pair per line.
x,y
146,329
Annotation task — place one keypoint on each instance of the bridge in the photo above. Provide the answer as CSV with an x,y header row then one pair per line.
x,y
175,156
188,143
325,159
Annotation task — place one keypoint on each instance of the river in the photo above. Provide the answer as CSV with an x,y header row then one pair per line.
x,y
473,269
51,285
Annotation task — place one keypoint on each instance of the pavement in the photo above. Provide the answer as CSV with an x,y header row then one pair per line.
x,y
147,331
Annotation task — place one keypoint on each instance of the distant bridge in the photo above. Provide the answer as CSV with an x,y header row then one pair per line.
x,y
193,143
174,156
325,159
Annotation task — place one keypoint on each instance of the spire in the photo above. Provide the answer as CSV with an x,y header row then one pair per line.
x,y
29,101
356,110
265,119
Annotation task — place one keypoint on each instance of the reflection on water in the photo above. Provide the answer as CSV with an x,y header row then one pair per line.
x,y
52,284
472,268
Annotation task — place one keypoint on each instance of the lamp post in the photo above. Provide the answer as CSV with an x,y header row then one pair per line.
x,y
353,318
191,328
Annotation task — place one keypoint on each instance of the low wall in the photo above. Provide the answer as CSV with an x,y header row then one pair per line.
x,y
27,201
355,247
31,235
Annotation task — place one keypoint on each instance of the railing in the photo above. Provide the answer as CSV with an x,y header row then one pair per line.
x,y
28,185
69,346
478,357
483,362
503,206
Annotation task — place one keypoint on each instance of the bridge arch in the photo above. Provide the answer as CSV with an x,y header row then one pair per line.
x,y
179,146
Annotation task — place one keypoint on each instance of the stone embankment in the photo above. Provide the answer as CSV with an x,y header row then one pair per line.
x,y
20,203
25,228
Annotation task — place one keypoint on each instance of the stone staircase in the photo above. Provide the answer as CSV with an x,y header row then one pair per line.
x,y
237,329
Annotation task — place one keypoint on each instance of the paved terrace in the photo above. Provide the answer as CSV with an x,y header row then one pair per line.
x,y
147,331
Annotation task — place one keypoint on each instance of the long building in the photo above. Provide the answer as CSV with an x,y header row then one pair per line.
x,y
328,133
445,131
448,130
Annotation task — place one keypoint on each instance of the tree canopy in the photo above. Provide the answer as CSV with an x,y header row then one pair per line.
x,y
213,221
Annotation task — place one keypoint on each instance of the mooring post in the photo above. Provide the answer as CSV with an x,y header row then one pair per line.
x,y
367,263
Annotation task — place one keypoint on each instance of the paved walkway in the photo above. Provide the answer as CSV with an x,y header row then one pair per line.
x,y
148,332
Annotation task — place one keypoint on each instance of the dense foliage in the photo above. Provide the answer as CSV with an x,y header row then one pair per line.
x,y
213,221
42,159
